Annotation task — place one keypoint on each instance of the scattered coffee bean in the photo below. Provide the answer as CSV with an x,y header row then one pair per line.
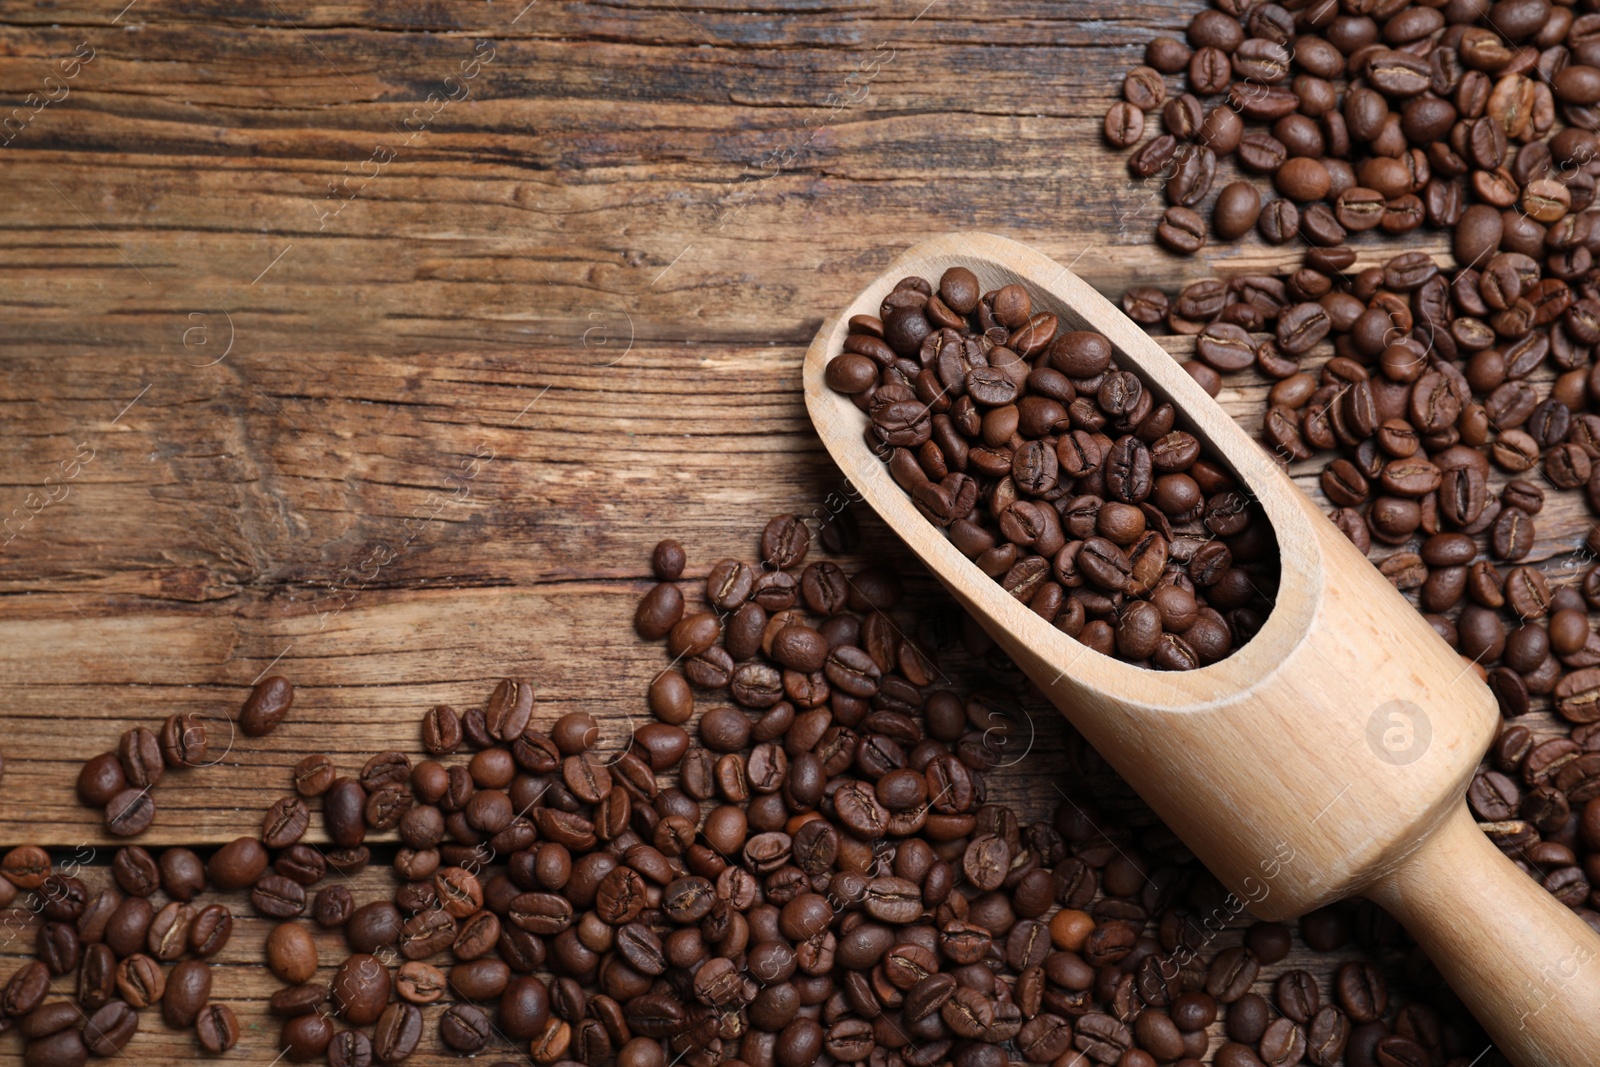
x,y
266,707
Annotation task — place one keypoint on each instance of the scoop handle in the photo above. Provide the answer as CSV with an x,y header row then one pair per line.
x,y
1523,962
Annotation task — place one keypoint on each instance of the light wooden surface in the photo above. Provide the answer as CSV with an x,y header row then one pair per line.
x,y
634,223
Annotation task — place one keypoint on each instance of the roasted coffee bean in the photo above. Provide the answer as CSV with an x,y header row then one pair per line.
x,y
350,1048
291,953
344,812
130,812
524,1008
464,1028
1362,991
1237,208
1144,88
59,948
373,927
297,1000
667,560
108,1031
313,775
278,897
267,705
422,983
168,936
1124,126
140,981
1210,71
429,931
892,900
97,976
217,1028
1194,168
64,1048
140,754
1167,54
184,741
306,1037
360,989
784,542
729,584
96,915
508,712
210,931
101,779
26,989
188,991
286,820
129,925
1182,230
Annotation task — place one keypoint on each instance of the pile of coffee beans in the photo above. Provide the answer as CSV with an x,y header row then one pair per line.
x,y
795,862
960,931
1442,410
118,945
1059,474
1372,118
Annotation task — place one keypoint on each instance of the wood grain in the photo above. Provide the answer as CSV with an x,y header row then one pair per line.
x,y
601,263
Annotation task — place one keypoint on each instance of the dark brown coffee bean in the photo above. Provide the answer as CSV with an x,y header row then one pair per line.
x,y
28,986
1209,71
1181,230
476,936
212,927
291,953
1236,211
1513,533
278,897
729,584
168,936
237,864
1302,326
524,1008
306,1037
1194,168
508,712
350,1048
464,1028
1362,991
1302,179
188,991
130,813
286,820
101,779
1144,88
344,812
360,989
217,1029
140,981
1124,126
108,1031
267,705
64,1048
184,741
313,775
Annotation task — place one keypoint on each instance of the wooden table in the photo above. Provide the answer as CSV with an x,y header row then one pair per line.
x,y
374,346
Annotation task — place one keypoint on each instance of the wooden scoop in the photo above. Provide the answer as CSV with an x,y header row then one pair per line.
x,y
1327,757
